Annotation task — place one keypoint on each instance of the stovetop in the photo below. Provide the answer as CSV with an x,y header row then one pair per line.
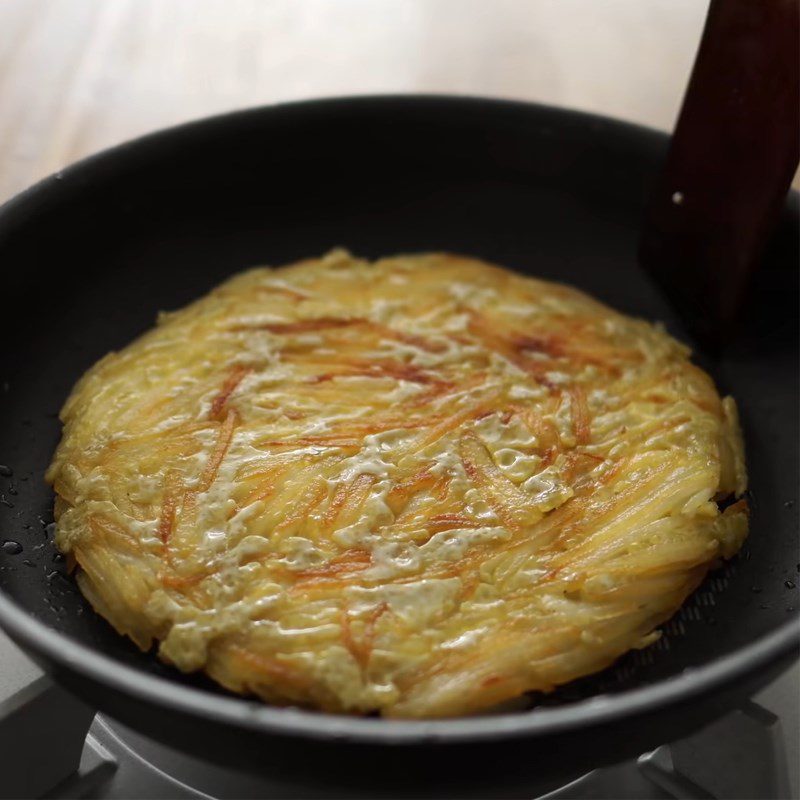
x,y
46,752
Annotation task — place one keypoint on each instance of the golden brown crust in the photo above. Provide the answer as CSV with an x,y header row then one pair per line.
x,y
421,486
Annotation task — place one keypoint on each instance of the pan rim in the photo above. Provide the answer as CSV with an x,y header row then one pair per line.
x,y
16,202
254,715
87,662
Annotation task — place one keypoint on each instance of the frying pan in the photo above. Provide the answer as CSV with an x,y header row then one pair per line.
x,y
90,255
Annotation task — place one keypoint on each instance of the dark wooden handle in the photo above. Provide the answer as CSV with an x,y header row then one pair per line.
x,y
730,164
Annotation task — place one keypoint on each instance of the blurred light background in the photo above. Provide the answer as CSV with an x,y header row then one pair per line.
x,y
79,75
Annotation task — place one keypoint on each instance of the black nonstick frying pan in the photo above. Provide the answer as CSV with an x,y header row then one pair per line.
x,y
90,255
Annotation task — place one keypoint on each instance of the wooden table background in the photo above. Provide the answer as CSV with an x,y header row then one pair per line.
x,y
79,75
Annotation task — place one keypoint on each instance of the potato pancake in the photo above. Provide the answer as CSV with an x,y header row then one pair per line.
x,y
421,486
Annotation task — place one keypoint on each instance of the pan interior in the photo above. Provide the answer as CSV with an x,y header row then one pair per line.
x,y
89,258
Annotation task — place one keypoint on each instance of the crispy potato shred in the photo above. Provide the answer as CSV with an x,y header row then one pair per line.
x,y
419,487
